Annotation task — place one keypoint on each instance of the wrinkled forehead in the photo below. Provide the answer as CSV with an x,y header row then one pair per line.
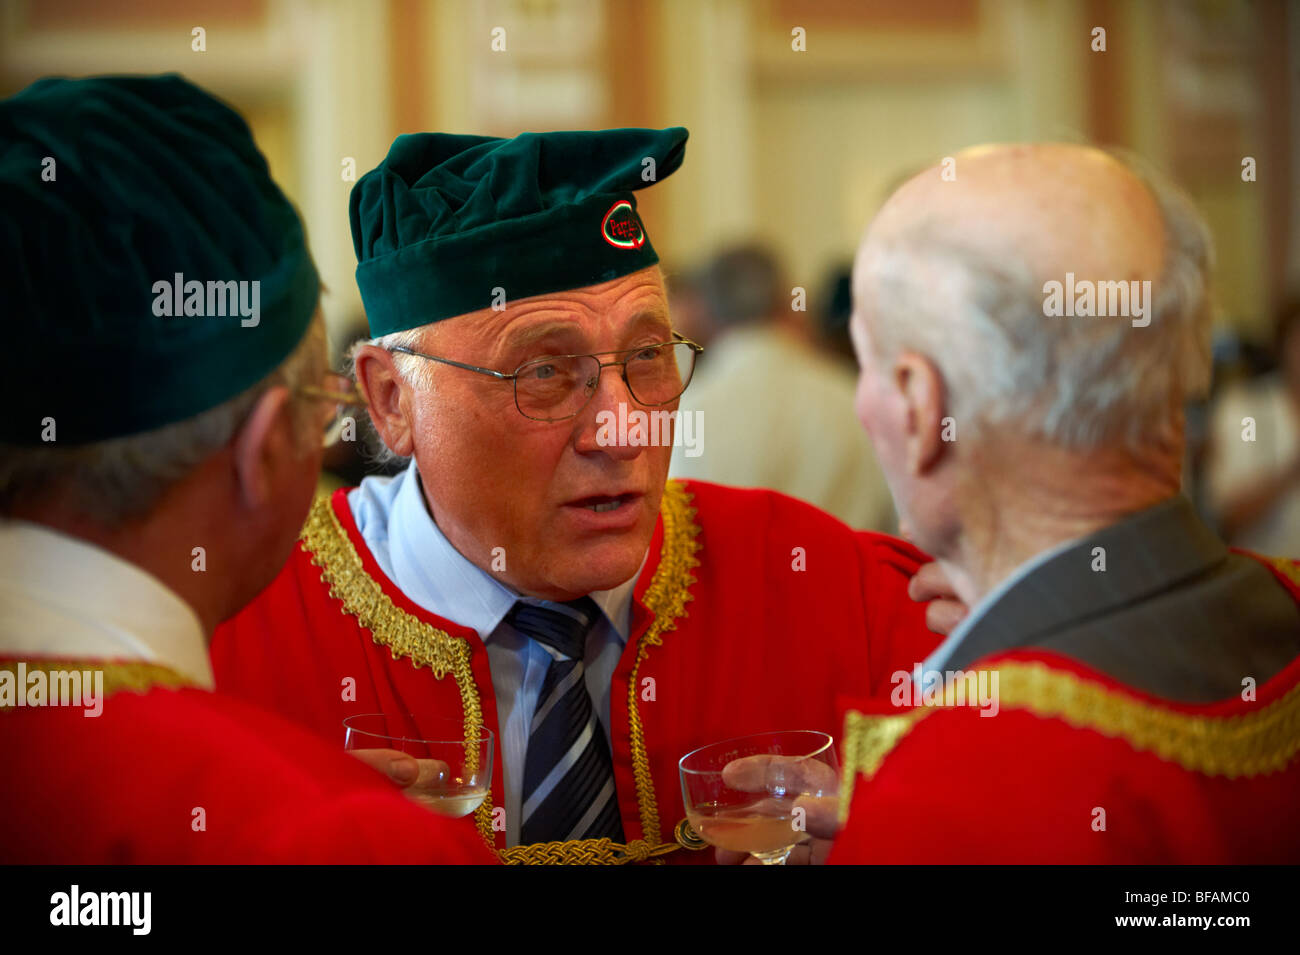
x,y
626,307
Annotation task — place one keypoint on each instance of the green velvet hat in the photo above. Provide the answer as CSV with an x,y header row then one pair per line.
x,y
136,214
452,224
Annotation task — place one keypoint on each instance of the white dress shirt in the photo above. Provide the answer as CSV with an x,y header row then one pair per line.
x,y
64,597
414,554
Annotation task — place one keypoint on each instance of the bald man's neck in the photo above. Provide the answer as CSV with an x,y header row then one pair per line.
x,y
1022,498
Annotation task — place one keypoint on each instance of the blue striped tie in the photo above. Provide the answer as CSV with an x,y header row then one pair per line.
x,y
568,773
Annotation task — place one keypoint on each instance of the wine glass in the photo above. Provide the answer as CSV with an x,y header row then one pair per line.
x,y
740,794
455,769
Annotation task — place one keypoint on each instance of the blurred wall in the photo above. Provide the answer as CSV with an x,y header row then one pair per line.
x,y
797,147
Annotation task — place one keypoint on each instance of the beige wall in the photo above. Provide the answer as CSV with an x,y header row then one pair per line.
x,y
794,148
833,128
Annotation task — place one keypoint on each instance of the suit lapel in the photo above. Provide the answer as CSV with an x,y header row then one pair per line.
x,y
1150,552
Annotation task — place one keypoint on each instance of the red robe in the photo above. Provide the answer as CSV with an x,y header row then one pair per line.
x,y
171,774
1076,768
754,612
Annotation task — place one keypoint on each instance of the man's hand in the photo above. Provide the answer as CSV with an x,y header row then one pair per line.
x,y
945,608
766,773
419,779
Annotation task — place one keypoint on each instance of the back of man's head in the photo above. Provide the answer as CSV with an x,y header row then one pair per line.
x,y
742,285
1061,291
1029,331
166,305
161,278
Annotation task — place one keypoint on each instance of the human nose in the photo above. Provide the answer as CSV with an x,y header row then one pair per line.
x,y
598,428
612,389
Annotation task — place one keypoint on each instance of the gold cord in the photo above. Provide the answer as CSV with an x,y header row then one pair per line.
x,y
406,636
134,676
1251,744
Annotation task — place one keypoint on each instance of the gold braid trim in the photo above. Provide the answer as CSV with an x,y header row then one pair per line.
x,y
1287,567
404,634
135,676
1252,744
666,597
867,741
407,636
585,852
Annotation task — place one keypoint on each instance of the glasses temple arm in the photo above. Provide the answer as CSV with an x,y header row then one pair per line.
x,y
448,361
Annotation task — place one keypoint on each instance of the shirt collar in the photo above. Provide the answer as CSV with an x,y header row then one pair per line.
x,y
1151,550
65,597
1162,543
944,651
431,572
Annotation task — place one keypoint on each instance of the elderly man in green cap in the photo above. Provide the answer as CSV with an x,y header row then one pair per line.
x,y
532,571
160,447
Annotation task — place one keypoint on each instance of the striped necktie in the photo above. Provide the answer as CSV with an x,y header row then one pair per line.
x,y
568,788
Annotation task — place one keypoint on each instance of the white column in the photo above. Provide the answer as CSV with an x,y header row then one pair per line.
x,y
340,105
704,65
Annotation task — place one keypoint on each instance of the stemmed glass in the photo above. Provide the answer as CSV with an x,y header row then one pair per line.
x,y
455,769
740,793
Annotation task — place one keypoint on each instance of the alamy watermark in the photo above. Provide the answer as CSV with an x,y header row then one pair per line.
x,y
176,297
642,429
922,687
75,907
41,687
1087,299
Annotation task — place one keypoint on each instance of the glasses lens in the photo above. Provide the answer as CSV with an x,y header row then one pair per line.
x,y
549,389
660,373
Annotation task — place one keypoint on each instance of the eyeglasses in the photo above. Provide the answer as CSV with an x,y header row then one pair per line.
x,y
336,394
560,386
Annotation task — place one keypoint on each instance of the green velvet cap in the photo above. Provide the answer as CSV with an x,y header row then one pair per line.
x,y
111,188
452,224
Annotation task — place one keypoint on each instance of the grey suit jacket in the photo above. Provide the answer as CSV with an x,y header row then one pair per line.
x,y
1175,613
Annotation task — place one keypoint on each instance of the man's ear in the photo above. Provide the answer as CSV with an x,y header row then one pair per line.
x,y
921,386
387,397
266,434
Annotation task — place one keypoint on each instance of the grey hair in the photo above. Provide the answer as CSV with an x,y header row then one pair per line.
x,y
120,479
1083,384
416,372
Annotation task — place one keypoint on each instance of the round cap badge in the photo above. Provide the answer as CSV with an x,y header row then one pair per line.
x,y
622,227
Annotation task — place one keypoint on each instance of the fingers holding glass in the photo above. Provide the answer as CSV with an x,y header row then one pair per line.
x,y
746,795
452,768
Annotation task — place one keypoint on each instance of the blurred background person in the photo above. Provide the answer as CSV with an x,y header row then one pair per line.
x,y
833,309
686,304
1253,468
775,412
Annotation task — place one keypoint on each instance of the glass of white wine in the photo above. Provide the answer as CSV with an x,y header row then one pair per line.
x,y
455,766
740,794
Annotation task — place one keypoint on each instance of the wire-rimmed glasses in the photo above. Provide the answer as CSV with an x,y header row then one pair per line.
x,y
557,387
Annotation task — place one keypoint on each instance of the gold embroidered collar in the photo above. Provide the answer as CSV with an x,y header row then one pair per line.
x,y
1250,744
132,676
407,636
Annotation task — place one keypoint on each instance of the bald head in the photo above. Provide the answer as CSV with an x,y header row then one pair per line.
x,y
958,267
1005,423
1056,208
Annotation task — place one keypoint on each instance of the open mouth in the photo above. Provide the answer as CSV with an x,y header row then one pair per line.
x,y
603,503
